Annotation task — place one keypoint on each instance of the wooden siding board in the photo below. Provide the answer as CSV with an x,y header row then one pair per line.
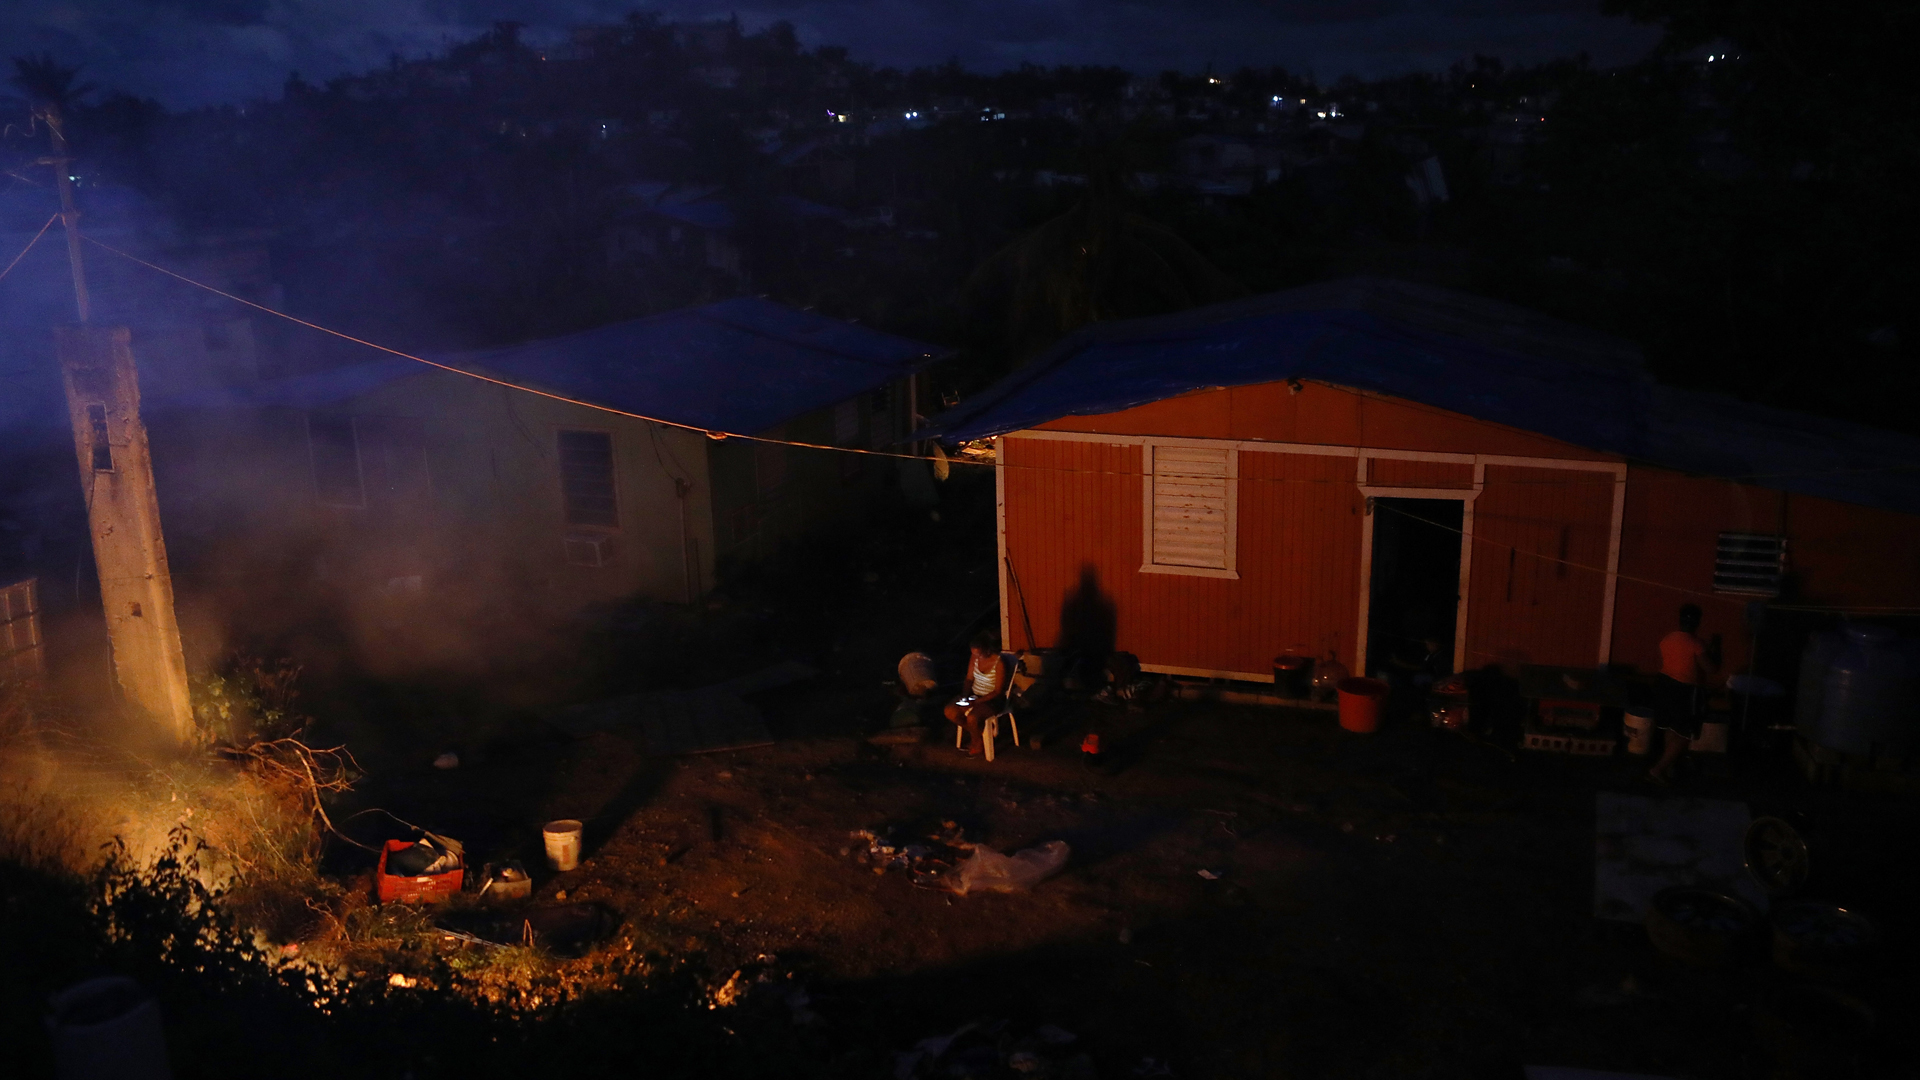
x,y
1073,504
1539,566
1839,556
1402,472
1299,527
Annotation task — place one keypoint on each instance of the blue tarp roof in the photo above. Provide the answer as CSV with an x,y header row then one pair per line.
x,y
742,365
1476,357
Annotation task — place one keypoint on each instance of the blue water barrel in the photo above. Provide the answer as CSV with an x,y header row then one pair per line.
x,y
1870,697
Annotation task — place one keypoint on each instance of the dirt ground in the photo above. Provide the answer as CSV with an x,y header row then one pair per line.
x,y
1402,904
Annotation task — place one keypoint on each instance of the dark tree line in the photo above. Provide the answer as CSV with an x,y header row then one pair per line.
x,y
1749,220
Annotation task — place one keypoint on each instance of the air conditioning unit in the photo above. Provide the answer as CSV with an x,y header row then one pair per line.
x,y
589,549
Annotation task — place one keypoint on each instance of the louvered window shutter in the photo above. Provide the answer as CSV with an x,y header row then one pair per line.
x,y
1193,507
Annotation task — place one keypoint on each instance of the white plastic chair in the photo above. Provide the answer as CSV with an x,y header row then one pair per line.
x,y
990,727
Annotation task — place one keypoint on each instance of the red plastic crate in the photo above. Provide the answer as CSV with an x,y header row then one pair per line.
x,y
427,889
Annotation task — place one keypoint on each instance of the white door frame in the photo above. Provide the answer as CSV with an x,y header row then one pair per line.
x,y
1466,497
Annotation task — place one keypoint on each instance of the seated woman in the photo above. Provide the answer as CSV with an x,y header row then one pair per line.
x,y
986,683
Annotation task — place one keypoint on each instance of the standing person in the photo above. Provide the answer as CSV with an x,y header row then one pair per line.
x,y
986,683
1679,697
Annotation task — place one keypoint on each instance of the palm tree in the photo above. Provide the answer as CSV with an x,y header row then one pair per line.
x,y
49,86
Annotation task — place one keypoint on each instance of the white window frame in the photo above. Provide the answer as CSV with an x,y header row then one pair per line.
x,y
613,479
1148,564
359,465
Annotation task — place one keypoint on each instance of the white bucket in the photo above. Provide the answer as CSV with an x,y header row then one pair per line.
x,y
1712,740
107,1029
563,843
1639,732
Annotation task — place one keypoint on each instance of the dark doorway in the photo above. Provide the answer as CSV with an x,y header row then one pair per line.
x,y
1414,590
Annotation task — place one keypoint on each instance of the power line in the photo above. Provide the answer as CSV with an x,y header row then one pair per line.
x,y
1619,576
711,433
718,434
29,247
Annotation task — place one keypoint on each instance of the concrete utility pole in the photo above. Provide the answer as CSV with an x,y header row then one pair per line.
x,y
123,515
116,476
69,217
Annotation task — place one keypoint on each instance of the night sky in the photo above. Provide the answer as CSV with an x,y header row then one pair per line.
x,y
195,52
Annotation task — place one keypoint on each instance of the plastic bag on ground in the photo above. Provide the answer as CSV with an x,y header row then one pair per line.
x,y
990,871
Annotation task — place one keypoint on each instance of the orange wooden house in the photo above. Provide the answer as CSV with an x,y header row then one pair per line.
x,y
1360,467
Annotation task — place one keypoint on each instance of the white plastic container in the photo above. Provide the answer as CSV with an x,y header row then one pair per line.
x,y
1712,740
107,1029
1639,732
917,676
563,843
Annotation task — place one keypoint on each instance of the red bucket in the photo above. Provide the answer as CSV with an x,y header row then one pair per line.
x,y
1360,701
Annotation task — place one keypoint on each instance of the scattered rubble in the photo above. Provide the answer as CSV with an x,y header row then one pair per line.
x,y
985,1048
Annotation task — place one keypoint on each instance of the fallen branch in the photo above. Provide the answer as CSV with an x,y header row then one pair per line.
x,y
317,772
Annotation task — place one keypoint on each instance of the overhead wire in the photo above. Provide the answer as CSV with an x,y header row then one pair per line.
x,y
712,433
1620,576
29,247
720,434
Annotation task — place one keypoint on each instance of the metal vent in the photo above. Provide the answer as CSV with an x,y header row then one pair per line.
x,y
1750,564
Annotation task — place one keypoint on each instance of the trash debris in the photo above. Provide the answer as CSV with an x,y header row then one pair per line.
x,y
1210,875
1054,1036
505,881
569,930
448,760
728,994
990,871
929,862
1090,749
985,1049
423,856
798,1002
427,870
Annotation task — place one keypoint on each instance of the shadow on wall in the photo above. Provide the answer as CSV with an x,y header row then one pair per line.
x,y
1089,625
